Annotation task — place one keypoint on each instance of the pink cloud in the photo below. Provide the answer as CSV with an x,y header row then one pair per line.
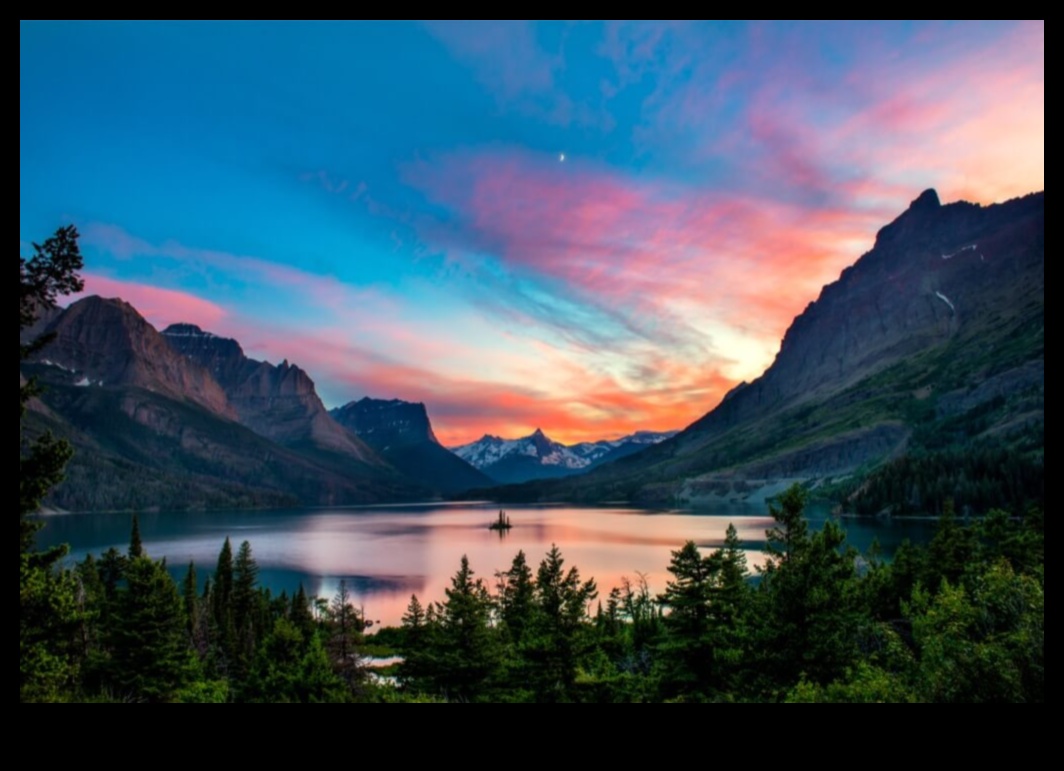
x,y
161,307
643,248
381,351
324,291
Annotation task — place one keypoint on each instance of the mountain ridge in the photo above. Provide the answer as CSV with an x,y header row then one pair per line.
x,y
948,305
537,456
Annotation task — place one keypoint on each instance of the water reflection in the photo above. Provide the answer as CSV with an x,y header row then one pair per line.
x,y
388,554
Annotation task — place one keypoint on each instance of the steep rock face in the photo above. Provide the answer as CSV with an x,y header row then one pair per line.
x,y
280,403
386,424
402,433
931,270
107,343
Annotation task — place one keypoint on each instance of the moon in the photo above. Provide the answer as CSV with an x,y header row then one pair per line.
x,y
561,158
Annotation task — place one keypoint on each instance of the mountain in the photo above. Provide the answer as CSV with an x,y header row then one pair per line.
x,y
934,337
402,434
277,402
154,429
109,344
538,457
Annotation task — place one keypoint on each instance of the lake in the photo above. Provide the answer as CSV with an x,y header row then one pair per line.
x,y
387,554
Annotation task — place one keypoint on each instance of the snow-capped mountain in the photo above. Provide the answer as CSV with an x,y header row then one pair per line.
x,y
511,461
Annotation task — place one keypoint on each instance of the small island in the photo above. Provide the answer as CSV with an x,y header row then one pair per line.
x,y
502,524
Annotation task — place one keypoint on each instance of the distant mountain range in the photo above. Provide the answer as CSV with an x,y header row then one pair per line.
x,y
935,337
184,419
509,461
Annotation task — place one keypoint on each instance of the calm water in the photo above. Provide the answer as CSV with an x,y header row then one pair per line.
x,y
388,554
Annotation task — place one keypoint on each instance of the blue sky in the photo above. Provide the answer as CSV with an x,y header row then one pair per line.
x,y
591,228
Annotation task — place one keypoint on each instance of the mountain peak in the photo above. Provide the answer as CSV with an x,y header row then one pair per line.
x,y
387,424
185,330
928,201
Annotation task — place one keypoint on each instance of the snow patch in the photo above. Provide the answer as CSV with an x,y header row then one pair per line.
x,y
959,252
946,300
83,383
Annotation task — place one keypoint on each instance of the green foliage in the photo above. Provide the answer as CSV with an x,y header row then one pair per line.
x,y
561,637
807,606
345,626
290,669
866,685
974,479
49,611
150,659
516,599
470,655
986,645
706,621
49,619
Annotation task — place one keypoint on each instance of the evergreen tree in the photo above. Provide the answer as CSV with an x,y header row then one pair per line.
x,y
421,641
469,651
517,598
136,545
245,598
687,651
345,626
190,592
562,635
48,606
808,616
225,635
301,616
150,656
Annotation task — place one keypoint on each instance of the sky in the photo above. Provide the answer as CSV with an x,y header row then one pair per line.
x,y
588,228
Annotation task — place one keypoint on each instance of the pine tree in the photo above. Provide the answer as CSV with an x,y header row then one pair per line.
x,y
136,545
687,650
562,635
346,626
517,599
301,617
245,591
150,656
222,606
48,606
421,645
470,655
808,611
49,274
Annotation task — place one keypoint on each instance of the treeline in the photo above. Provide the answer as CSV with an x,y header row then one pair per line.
x,y
975,480
961,620
130,633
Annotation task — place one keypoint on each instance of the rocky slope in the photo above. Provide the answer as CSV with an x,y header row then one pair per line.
x,y
277,402
107,343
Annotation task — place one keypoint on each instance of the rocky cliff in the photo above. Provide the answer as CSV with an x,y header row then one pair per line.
x,y
402,433
107,343
280,403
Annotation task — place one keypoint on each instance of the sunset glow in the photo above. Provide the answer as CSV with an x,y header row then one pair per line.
x,y
588,228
